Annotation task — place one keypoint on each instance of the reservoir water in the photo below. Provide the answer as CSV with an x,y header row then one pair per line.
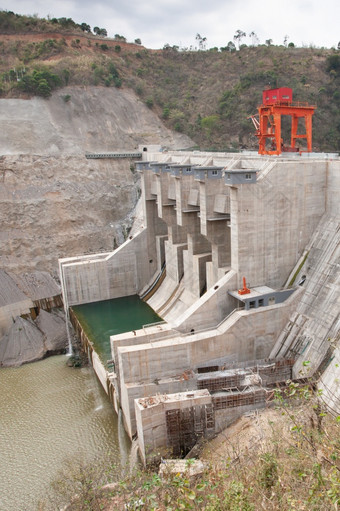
x,y
50,412
110,317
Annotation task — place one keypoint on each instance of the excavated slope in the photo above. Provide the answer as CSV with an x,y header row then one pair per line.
x,y
53,201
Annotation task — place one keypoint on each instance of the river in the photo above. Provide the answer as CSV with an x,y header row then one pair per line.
x,y
48,413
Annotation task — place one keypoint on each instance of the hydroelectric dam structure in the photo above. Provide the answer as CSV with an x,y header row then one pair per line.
x,y
239,255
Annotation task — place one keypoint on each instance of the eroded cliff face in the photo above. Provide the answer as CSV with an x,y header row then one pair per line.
x,y
54,207
53,201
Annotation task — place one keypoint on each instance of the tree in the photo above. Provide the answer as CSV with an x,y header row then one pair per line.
x,y
285,41
85,27
120,37
67,22
201,42
231,47
138,41
254,39
333,63
100,31
170,49
239,35
269,42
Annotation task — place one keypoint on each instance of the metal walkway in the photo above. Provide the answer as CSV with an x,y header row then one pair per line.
x,y
126,154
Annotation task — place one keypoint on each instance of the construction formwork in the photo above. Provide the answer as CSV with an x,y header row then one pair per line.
x,y
266,373
186,426
249,396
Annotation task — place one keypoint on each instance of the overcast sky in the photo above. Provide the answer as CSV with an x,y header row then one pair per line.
x,y
176,22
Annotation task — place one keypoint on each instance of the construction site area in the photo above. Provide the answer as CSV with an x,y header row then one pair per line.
x,y
238,255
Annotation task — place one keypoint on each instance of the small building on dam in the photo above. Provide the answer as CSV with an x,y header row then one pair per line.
x,y
239,256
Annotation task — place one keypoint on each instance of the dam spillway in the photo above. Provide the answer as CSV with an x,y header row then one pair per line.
x,y
100,320
212,220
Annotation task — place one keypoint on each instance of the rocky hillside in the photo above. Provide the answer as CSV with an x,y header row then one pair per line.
x,y
53,201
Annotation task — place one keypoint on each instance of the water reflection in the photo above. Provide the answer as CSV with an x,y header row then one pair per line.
x,y
50,412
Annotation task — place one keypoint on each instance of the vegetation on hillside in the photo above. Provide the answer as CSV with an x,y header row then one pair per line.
x,y
295,468
206,94
17,23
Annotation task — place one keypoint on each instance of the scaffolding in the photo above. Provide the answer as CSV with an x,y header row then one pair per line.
x,y
186,426
266,373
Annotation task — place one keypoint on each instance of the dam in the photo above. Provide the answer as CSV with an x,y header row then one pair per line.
x,y
239,255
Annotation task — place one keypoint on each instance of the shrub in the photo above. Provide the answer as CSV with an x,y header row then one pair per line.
x,y
40,82
149,102
333,63
43,89
166,112
210,123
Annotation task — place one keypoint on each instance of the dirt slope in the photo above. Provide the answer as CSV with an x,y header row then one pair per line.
x,y
53,201
76,120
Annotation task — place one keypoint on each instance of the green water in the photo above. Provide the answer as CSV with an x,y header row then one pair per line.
x,y
110,317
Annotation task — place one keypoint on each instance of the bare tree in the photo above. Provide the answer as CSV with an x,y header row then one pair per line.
x,y
238,36
201,42
254,39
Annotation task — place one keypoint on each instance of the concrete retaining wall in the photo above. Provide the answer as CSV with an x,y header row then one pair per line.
x,y
104,276
154,437
245,335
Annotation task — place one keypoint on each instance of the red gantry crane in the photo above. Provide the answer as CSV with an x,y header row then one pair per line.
x,y
275,104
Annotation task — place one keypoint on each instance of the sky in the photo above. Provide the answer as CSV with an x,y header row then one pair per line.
x,y
177,22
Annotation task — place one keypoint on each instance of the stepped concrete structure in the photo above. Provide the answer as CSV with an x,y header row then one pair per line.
x,y
239,255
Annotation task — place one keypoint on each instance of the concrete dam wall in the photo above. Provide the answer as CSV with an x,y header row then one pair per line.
x,y
209,221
